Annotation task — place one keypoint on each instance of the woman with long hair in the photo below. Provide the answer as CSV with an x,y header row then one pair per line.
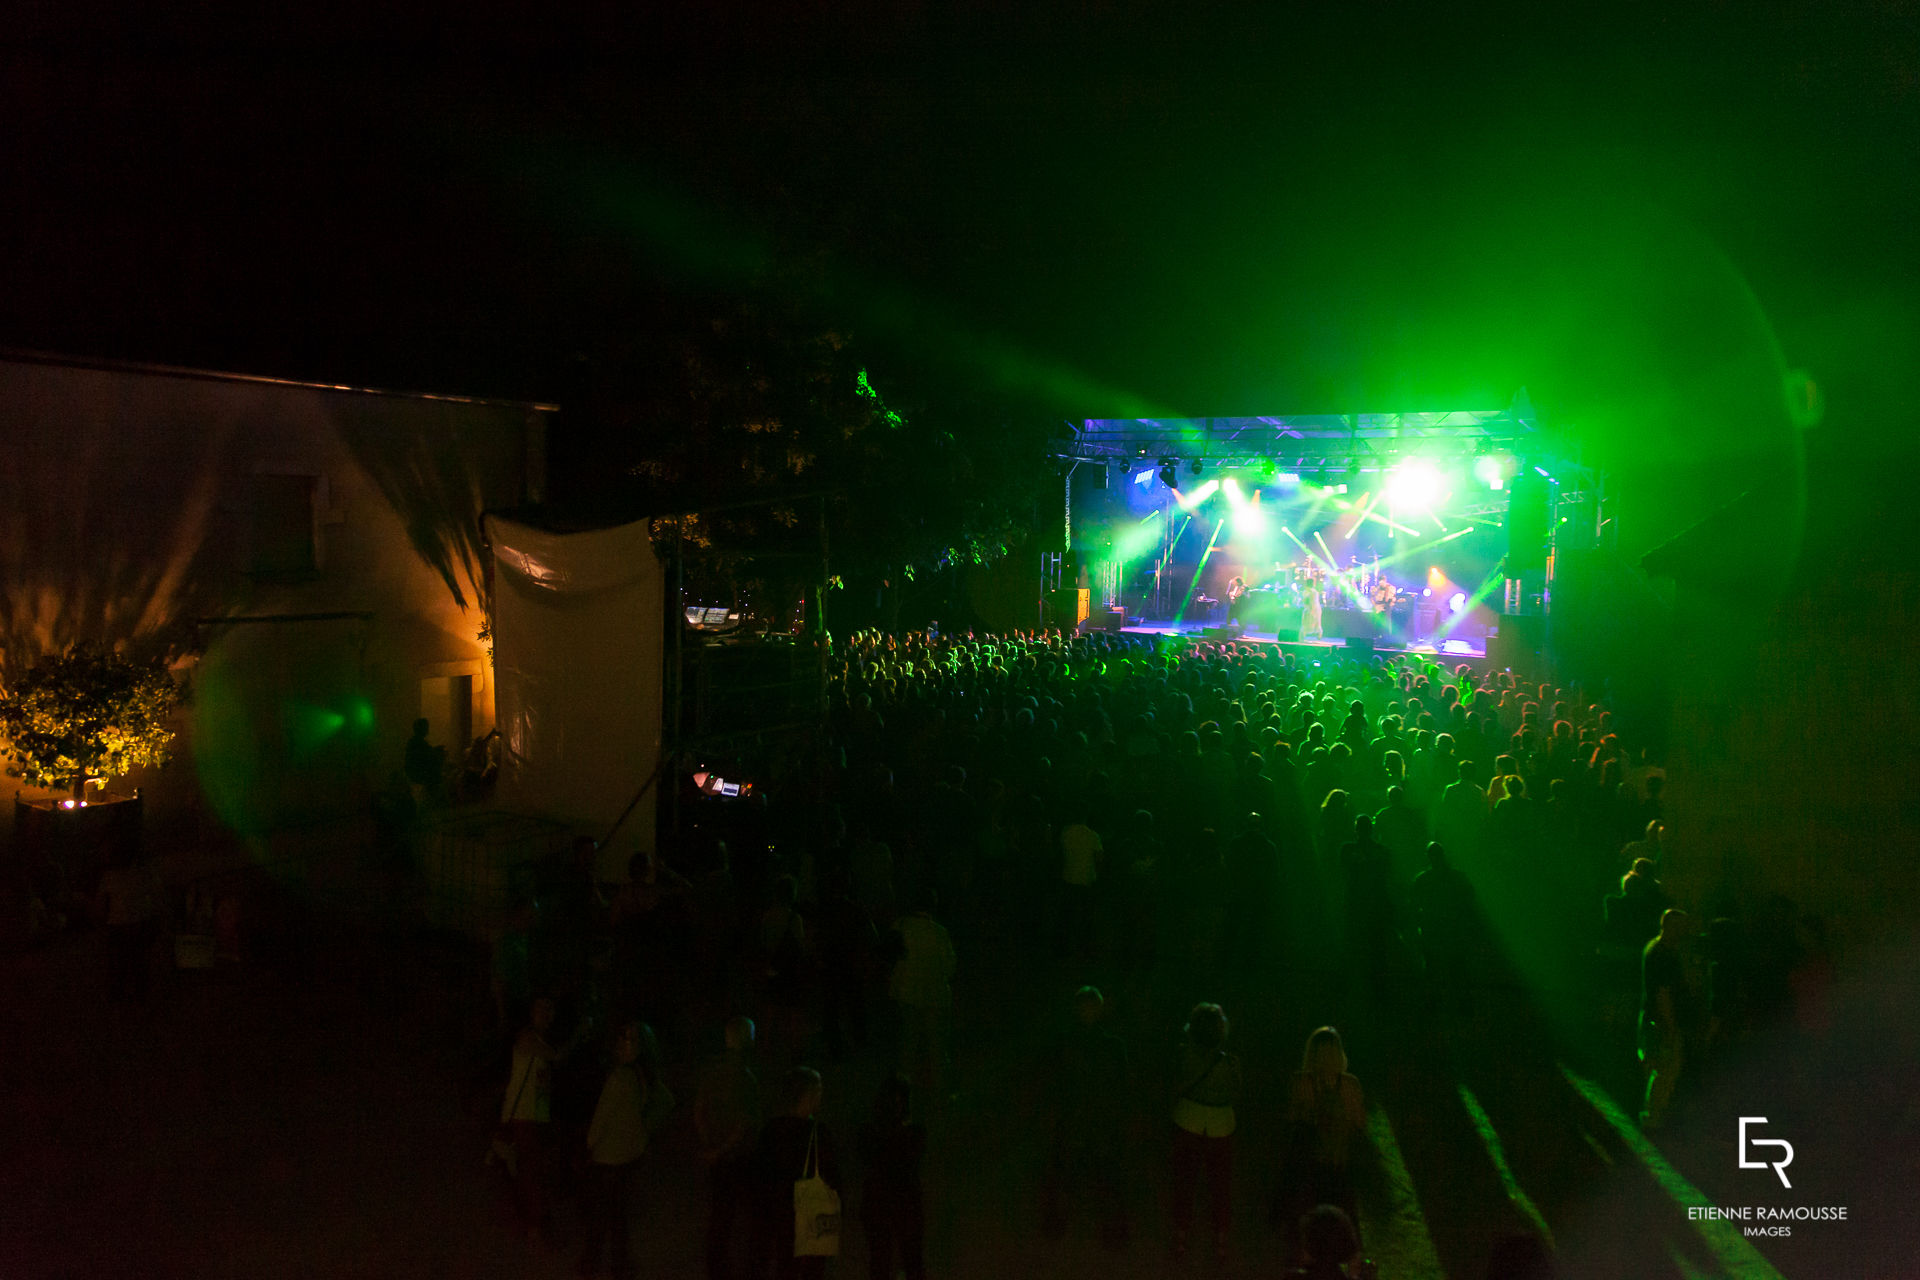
x,y
1326,1111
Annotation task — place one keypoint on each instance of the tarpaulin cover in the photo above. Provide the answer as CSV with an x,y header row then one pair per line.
x,y
577,634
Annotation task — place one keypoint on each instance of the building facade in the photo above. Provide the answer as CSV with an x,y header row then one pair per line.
x,y
310,558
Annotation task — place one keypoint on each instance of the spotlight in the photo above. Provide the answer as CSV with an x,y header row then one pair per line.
x,y
1195,466
1415,483
1170,473
1493,470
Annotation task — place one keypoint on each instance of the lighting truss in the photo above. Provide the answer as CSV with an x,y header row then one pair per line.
x,y
1360,442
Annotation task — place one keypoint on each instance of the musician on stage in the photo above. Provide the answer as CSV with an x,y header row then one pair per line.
x,y
1236,596
1310,621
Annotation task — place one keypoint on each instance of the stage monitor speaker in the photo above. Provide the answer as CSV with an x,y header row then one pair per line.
x,y
1229,632
1359,644
1287,635
1112,619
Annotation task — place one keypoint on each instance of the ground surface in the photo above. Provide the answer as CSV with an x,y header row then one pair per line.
x,y
289,1120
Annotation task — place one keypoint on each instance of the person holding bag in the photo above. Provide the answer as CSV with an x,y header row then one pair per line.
x,y
526,1118
799,1171
1203,1125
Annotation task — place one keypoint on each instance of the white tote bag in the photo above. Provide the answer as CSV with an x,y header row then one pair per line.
x,y
816,1207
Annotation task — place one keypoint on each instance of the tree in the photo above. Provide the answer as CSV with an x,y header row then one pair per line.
x,y
87,713
755,413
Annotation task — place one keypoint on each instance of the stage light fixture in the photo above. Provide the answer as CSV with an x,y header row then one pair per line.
x,y
1492,470
1195,465
1191,501
1170,472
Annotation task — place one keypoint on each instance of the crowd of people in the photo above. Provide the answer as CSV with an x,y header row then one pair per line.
x,y
1108,805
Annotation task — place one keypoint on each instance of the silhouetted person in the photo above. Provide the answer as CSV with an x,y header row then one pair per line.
x,y
426,764
1366,866
1253,876
1207,1086
1633,914
921,985
726,1121
891,1200
846,942
616,1139
1326,1112
781,1159
1664,1012
1444,910
1329,1246
1085,1096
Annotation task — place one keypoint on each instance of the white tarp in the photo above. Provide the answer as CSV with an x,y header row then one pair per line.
x,y
577,635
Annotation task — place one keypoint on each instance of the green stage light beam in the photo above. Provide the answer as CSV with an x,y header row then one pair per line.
x,y
1190,502
1473,602
1199,569
1135,541
1424,548
1325,550
1368,511
1325,567
1333,573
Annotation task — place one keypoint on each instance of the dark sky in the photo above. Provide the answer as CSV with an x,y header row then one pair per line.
x,y
1388,208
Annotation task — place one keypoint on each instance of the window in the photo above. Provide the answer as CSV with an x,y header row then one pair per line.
x,y
282,544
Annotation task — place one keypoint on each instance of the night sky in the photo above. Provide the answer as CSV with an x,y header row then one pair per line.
x,y
1392,208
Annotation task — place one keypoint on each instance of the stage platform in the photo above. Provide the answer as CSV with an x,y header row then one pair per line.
x,y
1456,651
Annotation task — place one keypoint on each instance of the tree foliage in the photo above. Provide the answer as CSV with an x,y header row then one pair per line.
x,y
753,417
87,713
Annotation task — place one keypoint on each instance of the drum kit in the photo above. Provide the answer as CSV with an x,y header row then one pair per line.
x,y
1337,588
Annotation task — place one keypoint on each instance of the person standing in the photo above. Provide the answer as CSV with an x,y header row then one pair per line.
x,y
1081,853
922,986
1209,1085
1086,1079
1326,1111
726,1115
527,1112
792,1144
891,1205
1665,998
616,1139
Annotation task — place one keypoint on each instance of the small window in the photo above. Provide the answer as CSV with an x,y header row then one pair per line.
x,y
283,526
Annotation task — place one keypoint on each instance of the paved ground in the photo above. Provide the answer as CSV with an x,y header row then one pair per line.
x,y
255,1122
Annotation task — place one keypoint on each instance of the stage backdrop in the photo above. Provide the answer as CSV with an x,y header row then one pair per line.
x,y
578,637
